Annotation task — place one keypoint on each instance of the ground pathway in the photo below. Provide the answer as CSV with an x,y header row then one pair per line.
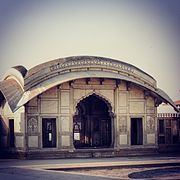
x,y
139,167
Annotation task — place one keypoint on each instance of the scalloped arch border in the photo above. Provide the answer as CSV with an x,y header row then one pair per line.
x,y
110,110
99,95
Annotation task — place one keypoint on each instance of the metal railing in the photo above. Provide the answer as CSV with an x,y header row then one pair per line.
x,y
166,115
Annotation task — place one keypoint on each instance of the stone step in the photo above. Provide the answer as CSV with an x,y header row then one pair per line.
x,y
89,153
78,153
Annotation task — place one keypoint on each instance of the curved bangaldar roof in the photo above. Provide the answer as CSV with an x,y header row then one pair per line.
x,y
12,86
47,75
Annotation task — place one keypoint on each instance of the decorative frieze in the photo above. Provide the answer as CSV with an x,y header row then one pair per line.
x,y
92,61
150,124
32,124
123,124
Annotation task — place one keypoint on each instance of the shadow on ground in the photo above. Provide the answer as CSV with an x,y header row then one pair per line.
x,y
155,173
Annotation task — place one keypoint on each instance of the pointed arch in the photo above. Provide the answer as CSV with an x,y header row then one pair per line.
x,y
100,96
93,122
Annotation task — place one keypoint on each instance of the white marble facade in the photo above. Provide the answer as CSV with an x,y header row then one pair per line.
x,y
47,97
48,94
126,100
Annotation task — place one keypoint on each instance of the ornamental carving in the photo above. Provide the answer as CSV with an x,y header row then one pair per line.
x,y
32,124
123,124
150,124
92,61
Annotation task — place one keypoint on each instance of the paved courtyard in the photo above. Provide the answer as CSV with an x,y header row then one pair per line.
x,y
152,167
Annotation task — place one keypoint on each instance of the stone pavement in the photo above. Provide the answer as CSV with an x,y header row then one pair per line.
x,y
37,169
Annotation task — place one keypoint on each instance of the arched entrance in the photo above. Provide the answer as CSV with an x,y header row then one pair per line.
x,y
92,127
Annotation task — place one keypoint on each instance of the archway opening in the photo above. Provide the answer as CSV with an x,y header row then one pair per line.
x,y
92,127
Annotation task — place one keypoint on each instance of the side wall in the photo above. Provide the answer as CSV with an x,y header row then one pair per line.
x,y
19,127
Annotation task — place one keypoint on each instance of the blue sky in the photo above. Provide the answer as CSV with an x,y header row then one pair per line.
x,y
140,32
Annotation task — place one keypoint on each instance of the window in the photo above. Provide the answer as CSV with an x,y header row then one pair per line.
x,y
161,126
175,131
168,131
161,138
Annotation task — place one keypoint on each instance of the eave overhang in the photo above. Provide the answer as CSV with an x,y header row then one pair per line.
x,y
50,74
12,91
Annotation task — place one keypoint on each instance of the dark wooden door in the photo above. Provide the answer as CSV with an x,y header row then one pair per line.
x,y
49,132
11,133
136,131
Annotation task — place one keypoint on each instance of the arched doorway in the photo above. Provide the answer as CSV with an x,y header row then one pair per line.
x,y
92,123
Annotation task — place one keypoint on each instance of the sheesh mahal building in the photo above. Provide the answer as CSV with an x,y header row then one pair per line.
x,y
80,106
